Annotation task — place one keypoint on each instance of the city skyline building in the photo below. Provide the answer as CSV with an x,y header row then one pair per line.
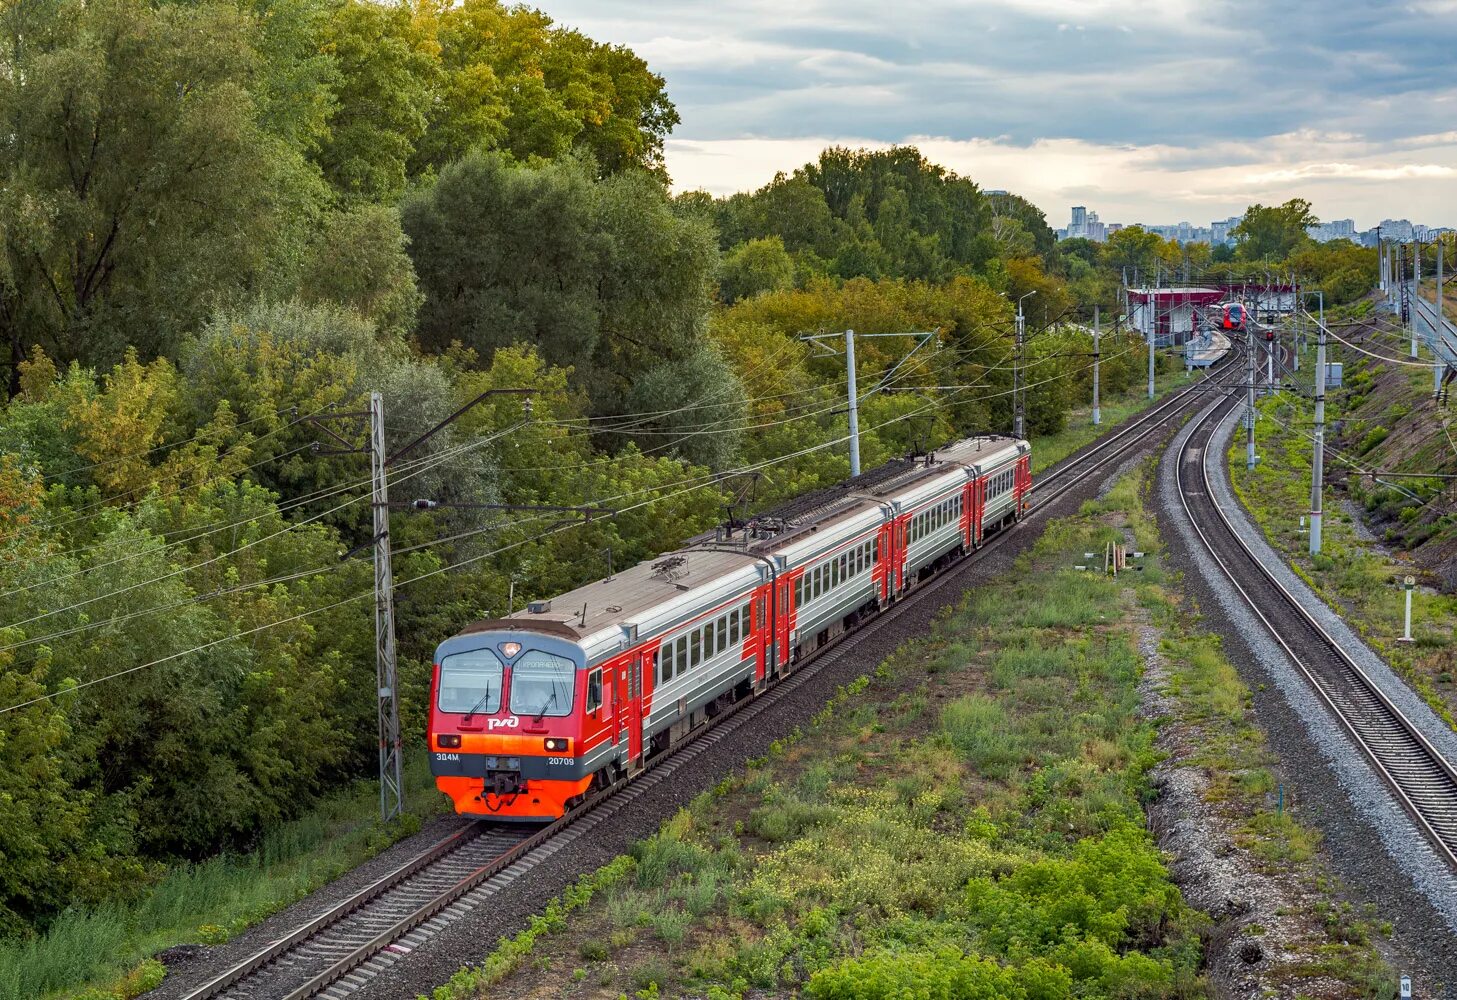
x,y
1084,223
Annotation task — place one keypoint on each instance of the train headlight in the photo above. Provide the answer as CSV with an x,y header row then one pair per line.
x,y
555,744
448,741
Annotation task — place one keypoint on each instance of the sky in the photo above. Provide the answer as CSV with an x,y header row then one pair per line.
x,y
1155,111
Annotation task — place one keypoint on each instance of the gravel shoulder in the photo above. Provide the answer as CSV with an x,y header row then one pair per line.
x,y
1371,844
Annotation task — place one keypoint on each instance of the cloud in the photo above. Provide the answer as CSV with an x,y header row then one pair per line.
x,y
1267,91
1124,183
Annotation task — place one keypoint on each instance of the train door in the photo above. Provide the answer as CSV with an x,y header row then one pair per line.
x,y
978,501
763,637
781,622
626,689
965,520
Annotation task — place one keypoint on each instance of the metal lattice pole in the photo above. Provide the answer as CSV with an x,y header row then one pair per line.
x,y
1250,399
1317,458
391,786
1097,332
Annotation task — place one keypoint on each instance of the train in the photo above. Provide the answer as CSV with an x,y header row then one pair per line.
x,y
1235,316
532,713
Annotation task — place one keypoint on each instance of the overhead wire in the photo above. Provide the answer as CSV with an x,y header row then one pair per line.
x,y
443,569
436,460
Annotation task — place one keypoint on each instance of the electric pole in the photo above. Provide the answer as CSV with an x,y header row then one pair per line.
x,y
854,404
1018,412
1437,338
1317,458
1250,397
391,783
1097,330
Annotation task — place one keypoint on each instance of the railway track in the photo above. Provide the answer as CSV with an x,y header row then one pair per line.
x,y
340,950
1421,778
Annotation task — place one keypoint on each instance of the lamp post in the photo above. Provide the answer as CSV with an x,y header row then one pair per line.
x,y
1018,419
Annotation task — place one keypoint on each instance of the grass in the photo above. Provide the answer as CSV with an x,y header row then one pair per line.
x,y
105,953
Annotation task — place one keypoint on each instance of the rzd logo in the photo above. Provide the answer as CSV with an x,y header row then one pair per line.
x,y
510,722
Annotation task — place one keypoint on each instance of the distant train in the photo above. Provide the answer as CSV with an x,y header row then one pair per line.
x,y
1235,316
531,713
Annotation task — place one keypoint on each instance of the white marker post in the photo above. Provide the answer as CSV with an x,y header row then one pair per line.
x,y
1406,988
1407,584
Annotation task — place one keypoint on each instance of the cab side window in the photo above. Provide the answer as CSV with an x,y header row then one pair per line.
x,y
594,690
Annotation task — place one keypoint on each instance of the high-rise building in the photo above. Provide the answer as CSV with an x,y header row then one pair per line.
x,y
1396,229
1339,229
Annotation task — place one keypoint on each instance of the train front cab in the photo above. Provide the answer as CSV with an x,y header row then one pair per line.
x,y
517,724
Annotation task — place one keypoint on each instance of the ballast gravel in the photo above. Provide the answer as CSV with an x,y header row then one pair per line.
x,y
472,937
1372,844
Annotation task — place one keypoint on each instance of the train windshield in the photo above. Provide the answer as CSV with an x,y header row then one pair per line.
x,y
542,684
470,682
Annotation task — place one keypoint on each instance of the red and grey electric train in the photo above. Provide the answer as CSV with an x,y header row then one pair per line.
x,y
530,713
1235,316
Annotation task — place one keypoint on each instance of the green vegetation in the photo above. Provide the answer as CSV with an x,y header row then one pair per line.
x,y
224,220
209,901
970,818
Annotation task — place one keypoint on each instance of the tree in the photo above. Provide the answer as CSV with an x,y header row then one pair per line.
x,y
702,405
358,260
1274,231
603,276
508,255
753,268
1132,247
127,211
387,71
510,79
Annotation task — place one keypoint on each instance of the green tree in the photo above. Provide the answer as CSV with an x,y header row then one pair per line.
x,y
754,267
387,70
508,255
1274,231
358,260
602,276
510,79
127,211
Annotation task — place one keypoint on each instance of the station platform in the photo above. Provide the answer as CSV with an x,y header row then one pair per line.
x,y
1205,349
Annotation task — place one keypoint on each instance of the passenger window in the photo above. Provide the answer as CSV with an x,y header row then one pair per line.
x,y
695,649
746,626
733,627
594,690
681,659
722,634
708,646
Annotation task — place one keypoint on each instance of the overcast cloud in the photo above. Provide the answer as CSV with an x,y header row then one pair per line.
x,y
1144,110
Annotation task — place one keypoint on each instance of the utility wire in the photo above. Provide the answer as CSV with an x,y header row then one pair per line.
x,y
443,569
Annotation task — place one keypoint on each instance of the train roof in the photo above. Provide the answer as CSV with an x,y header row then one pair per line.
x,y
714,566
685,575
